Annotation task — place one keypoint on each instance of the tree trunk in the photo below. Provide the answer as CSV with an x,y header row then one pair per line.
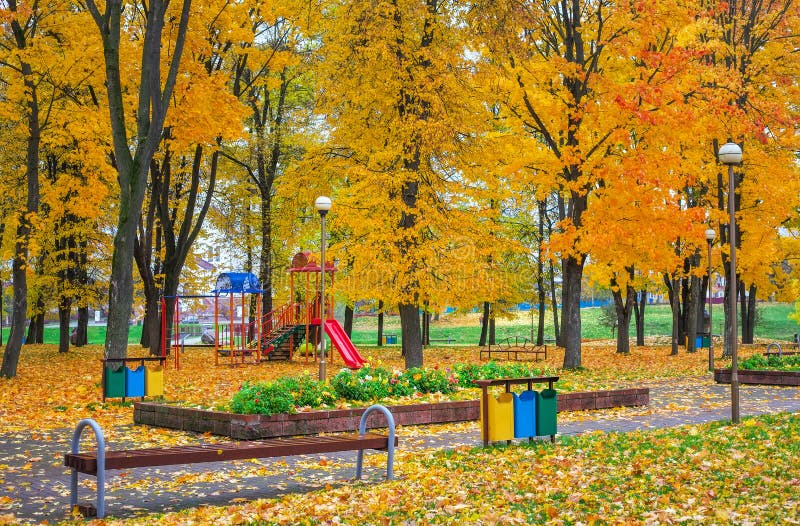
x,y
151,325
132,164
624,310
675,306
36,327
571,311
747,305
540,274
81,331
30,336
265,253
64,310
492,339
19,309
427,327
692,312
638,306
20,260
542,307
412,342
348,321
554,303
380,323
484,324
727,350
426,332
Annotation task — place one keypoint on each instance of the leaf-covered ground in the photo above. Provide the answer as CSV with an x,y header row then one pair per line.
x,y
708,474
700,474
54,391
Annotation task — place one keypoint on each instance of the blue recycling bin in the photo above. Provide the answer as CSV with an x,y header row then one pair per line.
x,y
525,414
134,382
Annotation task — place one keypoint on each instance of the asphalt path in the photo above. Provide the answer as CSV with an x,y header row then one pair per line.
x,y
34,484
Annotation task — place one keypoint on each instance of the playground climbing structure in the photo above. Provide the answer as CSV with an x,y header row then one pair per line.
x,y
275,335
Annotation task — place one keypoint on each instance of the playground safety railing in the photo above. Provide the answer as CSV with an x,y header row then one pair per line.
x,y
278,319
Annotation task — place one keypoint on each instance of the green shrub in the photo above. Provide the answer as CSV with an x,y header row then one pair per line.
x,y
364,385
430,380
311,392
399,384
265,398
757,361
466,374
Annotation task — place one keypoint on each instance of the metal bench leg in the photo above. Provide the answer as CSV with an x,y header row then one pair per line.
x,y
101,465
362,428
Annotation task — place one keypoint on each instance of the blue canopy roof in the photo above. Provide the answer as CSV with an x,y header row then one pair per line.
x,y
231,282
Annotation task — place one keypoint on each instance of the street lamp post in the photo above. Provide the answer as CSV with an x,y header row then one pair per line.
x,y
730,153
322,204
710,235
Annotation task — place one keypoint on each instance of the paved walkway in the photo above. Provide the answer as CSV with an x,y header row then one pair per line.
x,y
34,485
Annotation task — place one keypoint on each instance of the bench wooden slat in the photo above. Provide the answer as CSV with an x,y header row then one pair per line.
x,y
516,351
135,458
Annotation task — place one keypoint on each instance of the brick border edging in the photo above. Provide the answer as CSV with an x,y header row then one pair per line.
x,y
759,377
253,427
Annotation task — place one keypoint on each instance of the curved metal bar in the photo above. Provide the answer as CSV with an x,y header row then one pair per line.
x,y
778,345
101,465
362,428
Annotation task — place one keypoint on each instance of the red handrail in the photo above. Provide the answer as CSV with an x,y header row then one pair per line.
x,y
277,319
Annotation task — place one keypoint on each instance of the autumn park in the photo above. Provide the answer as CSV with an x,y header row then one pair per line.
x,y
399,262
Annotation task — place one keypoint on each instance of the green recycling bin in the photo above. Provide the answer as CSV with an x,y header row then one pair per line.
x,y
115,381
546,412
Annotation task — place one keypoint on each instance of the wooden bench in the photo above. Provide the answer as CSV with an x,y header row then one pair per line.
x,y
96,463
536,351
447,340
525,348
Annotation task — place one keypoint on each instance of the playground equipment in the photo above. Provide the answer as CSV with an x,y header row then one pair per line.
x,y
305,310
275,335
232,335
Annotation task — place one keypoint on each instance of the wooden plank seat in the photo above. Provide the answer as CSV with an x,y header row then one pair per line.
x,y
536,351
519,345
96,463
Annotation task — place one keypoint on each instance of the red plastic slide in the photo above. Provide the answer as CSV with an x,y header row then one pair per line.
x,y
343,344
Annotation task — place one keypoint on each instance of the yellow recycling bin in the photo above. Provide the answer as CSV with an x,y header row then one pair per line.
x,y
501,417
154,381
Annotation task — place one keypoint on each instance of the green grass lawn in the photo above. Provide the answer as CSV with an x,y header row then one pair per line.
x,y
96,334
772,323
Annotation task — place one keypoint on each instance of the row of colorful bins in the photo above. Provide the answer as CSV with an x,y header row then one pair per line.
x,y
134,383
529,414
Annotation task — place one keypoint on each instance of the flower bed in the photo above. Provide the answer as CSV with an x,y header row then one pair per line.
x,y
759,377
772,362
764,370
286,395
252,427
